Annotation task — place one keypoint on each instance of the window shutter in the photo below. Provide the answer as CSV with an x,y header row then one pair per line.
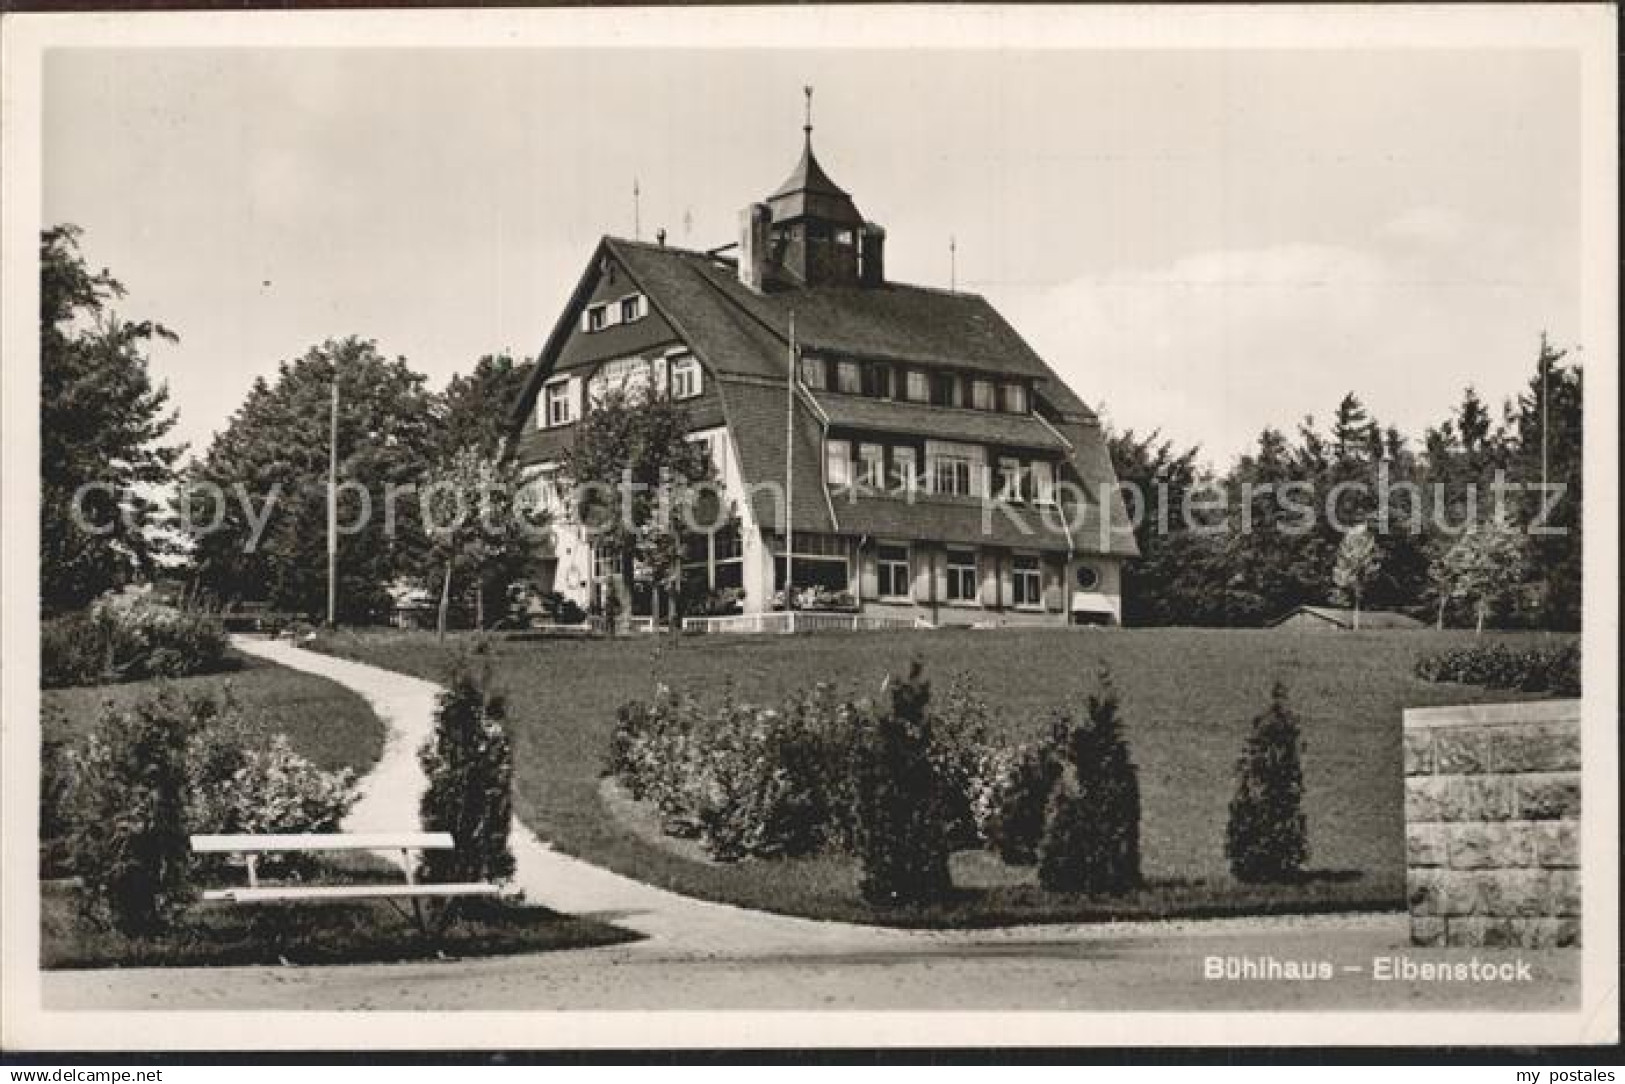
x,y
576,395
658,373
586,316
1053,584
612,314
923,562
868,574
987,570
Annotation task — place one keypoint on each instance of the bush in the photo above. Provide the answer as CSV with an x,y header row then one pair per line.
x,y
244,784
1540,669
73,651
128,802
55,825
1017,801
129,638
1267,837
1091,837
469,764
902,826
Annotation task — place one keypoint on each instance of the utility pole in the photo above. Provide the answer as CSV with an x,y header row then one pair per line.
x,y
333,506
789,472
1545,407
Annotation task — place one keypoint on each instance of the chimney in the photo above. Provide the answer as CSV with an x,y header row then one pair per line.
x,y
755,226
872,254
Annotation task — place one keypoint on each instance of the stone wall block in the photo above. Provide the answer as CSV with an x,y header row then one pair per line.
x,y
1461,752
1419,752
1557,844
1546,796
1428,932
1427,845
1492,846
1536,747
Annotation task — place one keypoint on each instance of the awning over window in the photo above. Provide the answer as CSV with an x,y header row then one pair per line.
x,y
1092,602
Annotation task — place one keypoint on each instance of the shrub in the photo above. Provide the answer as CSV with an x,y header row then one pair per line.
x,y
55,823
959,754
242,783
128,803
1017,799
73,651
129,638
469,764
1539,669
902,828
1267,837
1091,837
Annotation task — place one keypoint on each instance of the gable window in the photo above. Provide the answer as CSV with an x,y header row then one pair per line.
x,y
1043,476
685,377
877,381
1015,398
633,308
871,466
596,318
558,403
916,387
1026,581
814,373
982,395
627,376
847,379
894,575
961,575
838,462
954,469
944,389
905,469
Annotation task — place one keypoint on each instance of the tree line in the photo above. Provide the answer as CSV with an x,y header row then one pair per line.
x,y
107,423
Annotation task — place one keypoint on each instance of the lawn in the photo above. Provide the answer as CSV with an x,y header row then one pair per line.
x,y
324,721
1188,696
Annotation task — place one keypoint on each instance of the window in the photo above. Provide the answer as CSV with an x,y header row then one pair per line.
x,y
1026,582
632,308
905,469
1043,475
820,561
685,377
559,403
916,387
954,469
894,577
847,378
629,376
1088,578
1009,478
843,237
814,374
961,575
871,466
1015,398
597,317
982,395
944,389
877,381
838,462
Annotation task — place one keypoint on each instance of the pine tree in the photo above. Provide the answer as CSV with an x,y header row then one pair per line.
x,y
1092,827
1267,837
468,761
902,825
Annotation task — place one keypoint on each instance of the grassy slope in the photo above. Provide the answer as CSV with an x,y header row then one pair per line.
x,y
1188,696
326,722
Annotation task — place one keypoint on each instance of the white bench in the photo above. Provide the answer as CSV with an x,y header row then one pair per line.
x,y
251,848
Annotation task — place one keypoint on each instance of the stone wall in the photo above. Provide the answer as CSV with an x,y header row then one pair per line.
x,y
1492,824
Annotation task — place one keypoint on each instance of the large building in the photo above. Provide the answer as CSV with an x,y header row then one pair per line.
x,y
937,468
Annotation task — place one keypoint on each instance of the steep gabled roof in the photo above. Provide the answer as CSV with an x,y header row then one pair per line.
x,y
1344,618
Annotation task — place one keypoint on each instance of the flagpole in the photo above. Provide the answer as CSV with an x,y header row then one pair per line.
x,y
333,506
789,474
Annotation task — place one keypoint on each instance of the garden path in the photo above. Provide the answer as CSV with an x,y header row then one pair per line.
x,y
389,802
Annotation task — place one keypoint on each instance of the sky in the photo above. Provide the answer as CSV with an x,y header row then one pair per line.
x,y
1200,242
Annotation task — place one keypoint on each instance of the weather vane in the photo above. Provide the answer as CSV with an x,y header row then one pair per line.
x,y
807,127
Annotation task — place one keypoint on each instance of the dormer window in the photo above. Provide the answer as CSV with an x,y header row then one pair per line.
x,y
982,395
814,374
916,387
1015,398
847,378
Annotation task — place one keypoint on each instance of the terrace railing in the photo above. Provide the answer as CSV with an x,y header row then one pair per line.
x,y
793,621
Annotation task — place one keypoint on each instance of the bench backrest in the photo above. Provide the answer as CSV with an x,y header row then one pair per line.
x,y
322,841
